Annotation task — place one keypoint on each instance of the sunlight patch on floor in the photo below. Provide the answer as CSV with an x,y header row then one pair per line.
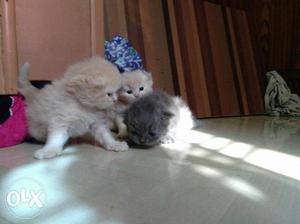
x,y
231,149
208,171
236,150
228,151
222,159
267,159
216,143
277,162
194,137
244,188
235,184
44,179
186,149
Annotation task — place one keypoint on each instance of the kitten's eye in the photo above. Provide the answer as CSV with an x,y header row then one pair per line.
x,y
152,134
129,92
141,88
109,94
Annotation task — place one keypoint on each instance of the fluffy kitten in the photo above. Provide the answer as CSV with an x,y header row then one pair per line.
x,y
157,118
77,103
135,84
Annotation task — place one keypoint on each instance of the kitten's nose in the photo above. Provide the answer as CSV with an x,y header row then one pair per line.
x,y
136,95
142,140
114,97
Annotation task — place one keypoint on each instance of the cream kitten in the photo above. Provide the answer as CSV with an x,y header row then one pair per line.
x,y
134,85
77,103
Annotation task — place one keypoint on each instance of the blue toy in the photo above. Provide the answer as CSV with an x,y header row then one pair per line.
x,y
120,52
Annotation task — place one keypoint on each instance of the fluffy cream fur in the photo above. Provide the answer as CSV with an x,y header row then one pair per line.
x,y
76,104
134,85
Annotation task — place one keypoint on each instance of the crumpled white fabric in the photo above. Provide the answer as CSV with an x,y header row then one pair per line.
x,y
278,97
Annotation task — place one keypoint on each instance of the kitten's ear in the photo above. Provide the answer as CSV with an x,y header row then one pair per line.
x,y
148,74
168,115
149,77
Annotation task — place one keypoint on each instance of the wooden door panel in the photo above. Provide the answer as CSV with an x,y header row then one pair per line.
x,y
155,42
215,58
174,33
9,75
52,34
115,18
222,61
192,57
248,73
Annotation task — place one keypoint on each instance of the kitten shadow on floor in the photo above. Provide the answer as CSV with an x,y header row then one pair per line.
x,y
133,145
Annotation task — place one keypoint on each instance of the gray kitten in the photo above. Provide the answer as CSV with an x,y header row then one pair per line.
x,y
157,118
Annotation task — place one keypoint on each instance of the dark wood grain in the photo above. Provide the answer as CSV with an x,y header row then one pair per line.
x,y
9,75
155,44
277,27
248,76
216,57
143,23
115,18
134,26
175,50
202,25
224,72
192,58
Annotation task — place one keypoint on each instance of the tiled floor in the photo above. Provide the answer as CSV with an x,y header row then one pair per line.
x,y
232,170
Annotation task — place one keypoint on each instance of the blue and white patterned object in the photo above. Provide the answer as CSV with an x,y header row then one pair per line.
x,y
120,52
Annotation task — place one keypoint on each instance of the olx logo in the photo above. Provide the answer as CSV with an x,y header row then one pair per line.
x,y
24,198
29,197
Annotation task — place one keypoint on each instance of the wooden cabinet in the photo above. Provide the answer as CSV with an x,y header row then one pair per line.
x,y
203,50
216,58
50,34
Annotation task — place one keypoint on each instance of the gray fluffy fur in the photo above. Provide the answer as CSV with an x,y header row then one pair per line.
x,y
157,118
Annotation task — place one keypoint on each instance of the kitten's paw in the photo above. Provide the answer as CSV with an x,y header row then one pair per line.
x,y
46,153
118,147
167,140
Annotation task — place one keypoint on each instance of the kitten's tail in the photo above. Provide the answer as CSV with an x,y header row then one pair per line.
x,y
25,87
187,121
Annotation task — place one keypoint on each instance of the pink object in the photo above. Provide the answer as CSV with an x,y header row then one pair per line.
x,y
14,130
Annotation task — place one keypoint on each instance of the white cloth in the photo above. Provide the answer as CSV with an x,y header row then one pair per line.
x,y
278,97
